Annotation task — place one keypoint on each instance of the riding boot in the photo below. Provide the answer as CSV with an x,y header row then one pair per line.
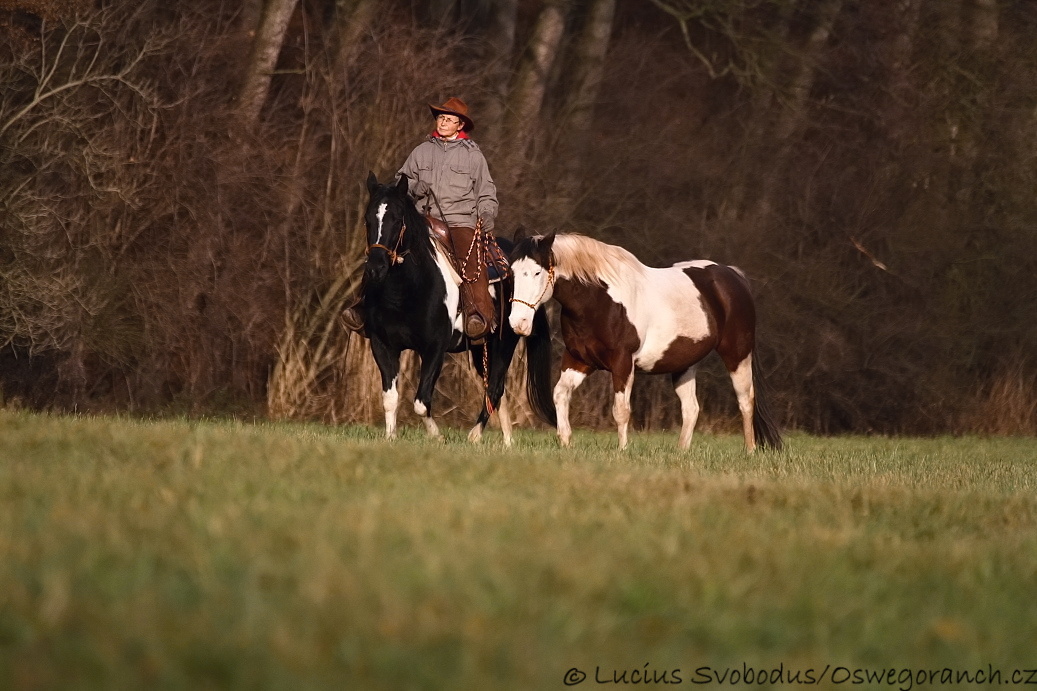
x,y
476,302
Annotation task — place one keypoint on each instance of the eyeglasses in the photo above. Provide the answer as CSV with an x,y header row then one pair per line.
x,y
448,119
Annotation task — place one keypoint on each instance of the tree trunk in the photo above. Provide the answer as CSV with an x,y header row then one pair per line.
x,y
353,18
794,113
589,70
498,56
587,74
981,37
977,24
265,50
527,97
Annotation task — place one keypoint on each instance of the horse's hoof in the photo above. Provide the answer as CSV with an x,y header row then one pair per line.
x,y
475,435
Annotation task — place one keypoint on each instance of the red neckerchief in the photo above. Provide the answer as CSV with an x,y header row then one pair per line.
x,y
460,135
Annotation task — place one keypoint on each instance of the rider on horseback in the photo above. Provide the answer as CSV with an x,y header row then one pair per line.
x,y
450,181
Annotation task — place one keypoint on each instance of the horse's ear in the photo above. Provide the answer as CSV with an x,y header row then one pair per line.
x,y
521,233
401,184
548,242
372,182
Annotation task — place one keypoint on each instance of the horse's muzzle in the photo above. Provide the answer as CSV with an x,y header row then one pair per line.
x,y
521,325
377,266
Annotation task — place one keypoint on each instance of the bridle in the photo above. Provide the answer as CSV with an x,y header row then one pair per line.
x,y
550,280
395,256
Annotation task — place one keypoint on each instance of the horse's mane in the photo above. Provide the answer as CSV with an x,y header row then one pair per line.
x,y
588,261
417,236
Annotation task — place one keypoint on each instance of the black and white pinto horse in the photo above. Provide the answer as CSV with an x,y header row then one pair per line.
x,y
620,315
412,302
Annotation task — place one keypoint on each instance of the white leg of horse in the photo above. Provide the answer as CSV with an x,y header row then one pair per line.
x,y
430,425
686,392
621,410
475,434
563,393
390,401
504,417
742,378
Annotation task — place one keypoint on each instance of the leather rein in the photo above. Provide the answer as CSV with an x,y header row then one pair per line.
x,y
550,280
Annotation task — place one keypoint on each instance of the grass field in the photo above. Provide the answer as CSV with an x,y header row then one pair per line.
x,y
219,554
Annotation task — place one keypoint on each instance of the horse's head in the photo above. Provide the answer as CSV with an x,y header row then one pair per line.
x,y
386,225
532,265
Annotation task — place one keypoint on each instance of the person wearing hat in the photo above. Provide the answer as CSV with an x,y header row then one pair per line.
x,y
450,181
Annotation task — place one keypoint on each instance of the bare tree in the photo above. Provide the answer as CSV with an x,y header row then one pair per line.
x,y
981,31
353,18
531,81
793,113
265,50
578,110
75,115
498,55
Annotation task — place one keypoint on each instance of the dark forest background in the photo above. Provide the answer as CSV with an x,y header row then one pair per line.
x,y
182,188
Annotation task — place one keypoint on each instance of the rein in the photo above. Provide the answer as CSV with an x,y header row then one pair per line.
x,y
479,246
550,280
395,256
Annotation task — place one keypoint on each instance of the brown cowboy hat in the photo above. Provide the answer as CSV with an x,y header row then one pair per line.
x,y
454,106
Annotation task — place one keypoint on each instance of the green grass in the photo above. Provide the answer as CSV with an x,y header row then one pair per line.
x,y
220,554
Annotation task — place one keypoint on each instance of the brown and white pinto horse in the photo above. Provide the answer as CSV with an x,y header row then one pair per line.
x,y
620,315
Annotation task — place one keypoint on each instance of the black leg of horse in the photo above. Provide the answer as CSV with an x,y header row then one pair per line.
x,y
388,361
431,366
501,353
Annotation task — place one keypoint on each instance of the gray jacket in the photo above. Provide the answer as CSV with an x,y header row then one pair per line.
x,y
456,173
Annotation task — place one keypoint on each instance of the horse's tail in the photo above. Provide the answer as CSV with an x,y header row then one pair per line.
x,y
538,369
765,430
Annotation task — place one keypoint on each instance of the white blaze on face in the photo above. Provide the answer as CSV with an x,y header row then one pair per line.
x,y
380,215
530,282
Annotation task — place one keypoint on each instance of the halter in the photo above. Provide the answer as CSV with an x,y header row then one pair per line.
x,y
550,280
395,256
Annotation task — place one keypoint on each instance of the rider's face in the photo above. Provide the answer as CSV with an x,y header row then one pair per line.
x,y
448,125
